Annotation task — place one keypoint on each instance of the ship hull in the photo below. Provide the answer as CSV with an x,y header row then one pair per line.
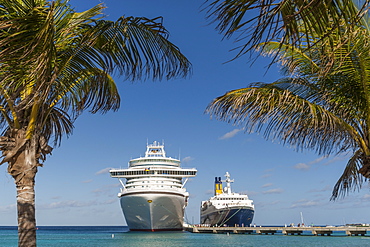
x,y
154,211
233,216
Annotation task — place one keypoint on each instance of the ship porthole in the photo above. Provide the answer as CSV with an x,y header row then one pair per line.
x,y
150,201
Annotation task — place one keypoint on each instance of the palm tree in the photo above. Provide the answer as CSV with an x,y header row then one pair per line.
x,y
287,21
328,113
56,63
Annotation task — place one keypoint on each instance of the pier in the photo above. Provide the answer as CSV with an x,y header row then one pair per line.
x,y
314,230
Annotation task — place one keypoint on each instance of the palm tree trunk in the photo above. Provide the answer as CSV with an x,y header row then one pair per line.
x,y
23,167
26,216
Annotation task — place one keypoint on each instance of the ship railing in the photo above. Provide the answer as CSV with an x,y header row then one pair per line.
x,y
164,172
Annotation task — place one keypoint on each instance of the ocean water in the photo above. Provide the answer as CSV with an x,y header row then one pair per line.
x,y
109,236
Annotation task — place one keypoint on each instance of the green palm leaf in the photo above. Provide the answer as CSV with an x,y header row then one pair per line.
x,y
56,63
351,179
325,112
287,21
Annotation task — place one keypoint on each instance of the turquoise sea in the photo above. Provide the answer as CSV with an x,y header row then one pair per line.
x,y
109,236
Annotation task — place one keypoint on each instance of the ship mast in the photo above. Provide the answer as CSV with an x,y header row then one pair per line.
x,y
228,182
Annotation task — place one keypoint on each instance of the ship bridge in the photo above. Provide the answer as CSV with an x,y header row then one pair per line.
x,y
155,150
154,155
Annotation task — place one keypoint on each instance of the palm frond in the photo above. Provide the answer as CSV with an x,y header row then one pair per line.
x,y
292,59
318,107
289,110
139,49
286,21
57,125
351,179
52,56
93,89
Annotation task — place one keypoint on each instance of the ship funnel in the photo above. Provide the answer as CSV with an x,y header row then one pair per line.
x,y
218,186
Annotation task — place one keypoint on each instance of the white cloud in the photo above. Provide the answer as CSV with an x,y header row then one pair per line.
x,y
337,158
106,189
210,192
87,181
273,191
8,208
192,195
111,201
74,204
103,171
318,160
249,193
97,191
116,185
65,204
264,204
266,175
230,134
307,166
302,166
366,197
267,185
304,204
187,159
326,188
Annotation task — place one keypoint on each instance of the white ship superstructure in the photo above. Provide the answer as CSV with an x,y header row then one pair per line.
x,y
154,198
227,208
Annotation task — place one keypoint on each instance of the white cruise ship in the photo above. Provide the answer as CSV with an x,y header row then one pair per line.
x,y
226,208
154,198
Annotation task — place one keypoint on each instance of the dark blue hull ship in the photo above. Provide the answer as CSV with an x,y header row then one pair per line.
x,y
229,217
227,208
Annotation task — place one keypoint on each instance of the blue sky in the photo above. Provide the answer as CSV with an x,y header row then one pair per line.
x,y
74,186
